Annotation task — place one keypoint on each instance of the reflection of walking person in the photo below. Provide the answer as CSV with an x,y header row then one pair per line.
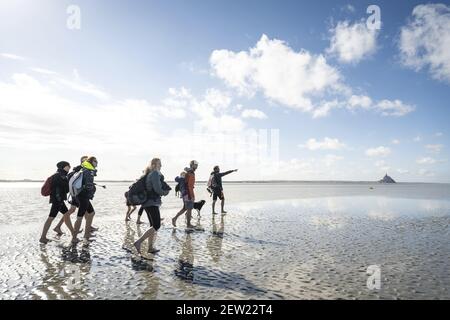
x,y
156,187
215,187
214,242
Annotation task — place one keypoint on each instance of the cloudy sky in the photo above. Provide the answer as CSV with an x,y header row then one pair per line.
x,y
279,89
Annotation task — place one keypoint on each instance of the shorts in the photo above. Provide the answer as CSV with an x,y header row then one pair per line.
x,y
74,202
154,217
188,204
58,207
85,206
218,194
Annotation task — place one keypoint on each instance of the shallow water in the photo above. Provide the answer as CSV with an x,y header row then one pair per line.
x,y
309,241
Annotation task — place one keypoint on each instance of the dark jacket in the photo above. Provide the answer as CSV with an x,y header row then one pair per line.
x,y
60,187
154,184
88,183
218,179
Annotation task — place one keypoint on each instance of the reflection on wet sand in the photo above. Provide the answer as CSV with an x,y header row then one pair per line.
x,y
215,240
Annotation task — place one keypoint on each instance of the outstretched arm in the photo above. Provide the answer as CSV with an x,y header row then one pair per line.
x,y
227,172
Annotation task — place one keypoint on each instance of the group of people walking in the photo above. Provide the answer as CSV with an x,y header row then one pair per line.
x,y
80,183
58,188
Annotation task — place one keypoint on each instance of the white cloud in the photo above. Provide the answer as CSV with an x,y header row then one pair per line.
x,y
426,160
425,40
352,43
325,144
402,171
359,101
253,113
378,152
283,75
434,148
417,139
395,141
380,163
44,71
393,108
11,56
77,84
299,80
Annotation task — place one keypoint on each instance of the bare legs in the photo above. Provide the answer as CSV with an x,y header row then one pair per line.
x,y
130,210
222,205
47,225
150,234
174,219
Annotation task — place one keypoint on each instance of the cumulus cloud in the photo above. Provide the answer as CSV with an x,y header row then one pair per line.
x,y
351,43
325,144
395,141
378,152
282,74
424,41
253,113
393,108
295,79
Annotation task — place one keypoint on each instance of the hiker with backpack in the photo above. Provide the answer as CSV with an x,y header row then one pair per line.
x,y
82,187
187,192
215,187
56,186
180,189
155,187
130,208
74,204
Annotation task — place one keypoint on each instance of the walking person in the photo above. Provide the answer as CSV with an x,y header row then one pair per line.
x,y
187,182
156,188
215,184
84,198
58,194
74,204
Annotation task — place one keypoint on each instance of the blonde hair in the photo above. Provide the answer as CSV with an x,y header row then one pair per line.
x,y
152,165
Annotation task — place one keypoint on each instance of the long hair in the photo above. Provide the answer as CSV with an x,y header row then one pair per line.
x,y
152,165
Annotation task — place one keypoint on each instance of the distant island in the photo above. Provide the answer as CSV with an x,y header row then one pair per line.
x,y
387,179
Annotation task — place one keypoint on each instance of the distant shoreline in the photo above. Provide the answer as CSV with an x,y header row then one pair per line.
x,y
253,181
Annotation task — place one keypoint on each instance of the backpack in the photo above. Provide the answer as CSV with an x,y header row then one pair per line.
x,y
181,187
46,188
137,195
76,184
212,181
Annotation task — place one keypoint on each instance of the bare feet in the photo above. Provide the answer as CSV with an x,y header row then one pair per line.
x,y
214,212
58,231
75,241
127,219
93,229
223,212
174,222
139,222
44,240
137,245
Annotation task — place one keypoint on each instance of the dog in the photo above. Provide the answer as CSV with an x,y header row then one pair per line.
x,y
198,206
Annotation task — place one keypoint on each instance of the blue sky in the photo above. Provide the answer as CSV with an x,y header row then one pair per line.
x,y
145,77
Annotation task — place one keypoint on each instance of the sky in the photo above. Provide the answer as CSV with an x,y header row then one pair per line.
x,y
281,90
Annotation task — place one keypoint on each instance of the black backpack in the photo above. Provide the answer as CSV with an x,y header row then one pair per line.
x,y
138,193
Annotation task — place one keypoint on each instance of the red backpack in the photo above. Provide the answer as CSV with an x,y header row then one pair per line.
x,y
47,187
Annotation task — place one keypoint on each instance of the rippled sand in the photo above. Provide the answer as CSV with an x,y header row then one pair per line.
x,y
285,249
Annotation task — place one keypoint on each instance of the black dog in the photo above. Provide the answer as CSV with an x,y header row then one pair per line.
x,y
198,206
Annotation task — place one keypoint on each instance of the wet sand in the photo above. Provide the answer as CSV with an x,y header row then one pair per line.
x,y
303,248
